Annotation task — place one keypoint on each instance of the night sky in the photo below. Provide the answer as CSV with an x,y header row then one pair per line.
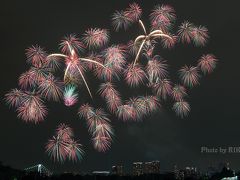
x,y
213,121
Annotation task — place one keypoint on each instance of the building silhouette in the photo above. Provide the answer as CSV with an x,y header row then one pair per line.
x,y
138,168
152,167
176,172
117,170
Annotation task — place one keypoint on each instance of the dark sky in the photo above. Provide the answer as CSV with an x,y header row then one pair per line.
x,y
214,119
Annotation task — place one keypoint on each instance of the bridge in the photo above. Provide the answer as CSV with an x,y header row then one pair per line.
x,y
41,169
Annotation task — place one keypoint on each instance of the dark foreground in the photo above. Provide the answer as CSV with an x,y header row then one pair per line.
x,y
8,173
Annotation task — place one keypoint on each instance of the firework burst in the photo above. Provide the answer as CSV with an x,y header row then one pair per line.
x,y
200,35
36,56
32,108
127,112
163,88
114,60
178,92
51,88
181,108
111,95
63,146
185,32
98,125
70,95
135,63
134,75
120,20
189,75
96,37
162,17
133,12
207,63
156,69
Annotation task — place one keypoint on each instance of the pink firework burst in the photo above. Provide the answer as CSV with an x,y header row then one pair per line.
x,y
71,44
133,12
15,97
141,106
101,142
189,75
111,95
144,105
134,75
178,92
39,73
32,109
181,108
36,56
169,42
51,88
114,60
64,131
162,17
207,63
57,148
96,57
120,20
96,37
132,47
185,32
163,88
75,151
200,35
27,80
63,146
127,112
98,125
156,69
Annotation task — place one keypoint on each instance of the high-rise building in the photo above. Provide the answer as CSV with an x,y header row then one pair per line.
x,y
117,170
152,167
137,168
191,172
176,172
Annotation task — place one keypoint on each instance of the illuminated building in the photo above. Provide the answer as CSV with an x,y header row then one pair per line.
x,y
152,167
117,170
137,168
